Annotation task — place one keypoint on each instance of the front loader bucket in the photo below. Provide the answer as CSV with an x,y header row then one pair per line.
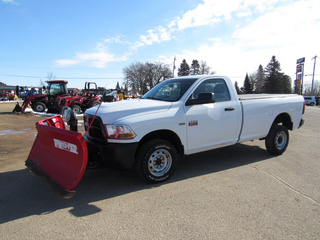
x,y
58,155
17,108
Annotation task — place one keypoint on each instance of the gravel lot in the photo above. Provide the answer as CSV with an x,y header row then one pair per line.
x,y
238,192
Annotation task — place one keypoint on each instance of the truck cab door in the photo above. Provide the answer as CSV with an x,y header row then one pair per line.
x,y
212,125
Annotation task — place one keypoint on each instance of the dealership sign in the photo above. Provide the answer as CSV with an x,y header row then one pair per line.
x,y
300,71
301,60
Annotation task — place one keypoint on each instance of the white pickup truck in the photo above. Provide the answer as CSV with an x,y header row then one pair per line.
x,y
183,116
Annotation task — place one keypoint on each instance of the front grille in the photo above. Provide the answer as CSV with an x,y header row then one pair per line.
x,y
97,130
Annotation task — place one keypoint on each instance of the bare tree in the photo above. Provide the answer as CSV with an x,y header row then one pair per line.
x,y
141,77
308,89
205,69
134,76
50,76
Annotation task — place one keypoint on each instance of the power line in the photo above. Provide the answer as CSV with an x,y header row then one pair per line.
x,y
10,75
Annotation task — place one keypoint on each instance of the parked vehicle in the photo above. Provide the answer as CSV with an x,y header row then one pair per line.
x,y
109,95
56,89
79,103
57,97
310,100
179,116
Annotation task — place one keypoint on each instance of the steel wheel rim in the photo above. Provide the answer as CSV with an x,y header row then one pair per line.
x,y
159,162
76,110
39,108
281,140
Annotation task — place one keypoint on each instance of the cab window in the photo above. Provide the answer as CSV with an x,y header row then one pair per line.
x,y
216,86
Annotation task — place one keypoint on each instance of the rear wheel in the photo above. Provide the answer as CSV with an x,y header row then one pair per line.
x,y
156,161
76,109
277,140
39,107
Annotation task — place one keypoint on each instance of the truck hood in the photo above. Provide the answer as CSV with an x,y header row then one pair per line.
x,y
115,111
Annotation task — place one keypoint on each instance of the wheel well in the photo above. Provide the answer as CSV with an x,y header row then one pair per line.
x,y
284,119
165,135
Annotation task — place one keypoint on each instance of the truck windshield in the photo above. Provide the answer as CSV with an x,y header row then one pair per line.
x,y
170,90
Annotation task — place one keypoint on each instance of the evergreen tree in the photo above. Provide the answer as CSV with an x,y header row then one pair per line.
x,y
195,68
118,86
286,84
184,69
237,87
247,85
276,81
125,88
259,80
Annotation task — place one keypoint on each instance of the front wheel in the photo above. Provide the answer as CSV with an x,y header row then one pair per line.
x,y
277,140
156,161
39,107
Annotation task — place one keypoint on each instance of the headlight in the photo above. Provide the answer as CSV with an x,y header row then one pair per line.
x,y
119,132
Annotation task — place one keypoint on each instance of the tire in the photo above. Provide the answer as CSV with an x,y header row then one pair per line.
x,y
156,161
76,109
94,103
39,107
312,104
277,140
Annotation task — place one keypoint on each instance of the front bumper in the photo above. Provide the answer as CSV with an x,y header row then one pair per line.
x,y
113,154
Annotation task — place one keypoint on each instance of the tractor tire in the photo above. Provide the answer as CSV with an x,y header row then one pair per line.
x,y
76,109
94,103
156,161
277,140
39,107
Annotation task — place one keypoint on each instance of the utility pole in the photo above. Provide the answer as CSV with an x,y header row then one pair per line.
x,y
314,68
174,65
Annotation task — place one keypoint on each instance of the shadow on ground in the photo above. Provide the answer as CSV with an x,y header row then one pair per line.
x,y
23,194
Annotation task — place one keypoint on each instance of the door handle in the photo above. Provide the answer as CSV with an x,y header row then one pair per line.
x,y
229,109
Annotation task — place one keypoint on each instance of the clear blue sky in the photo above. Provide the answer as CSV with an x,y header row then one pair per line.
x,y
94,40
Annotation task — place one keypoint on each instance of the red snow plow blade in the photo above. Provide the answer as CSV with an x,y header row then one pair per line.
x,y
58,155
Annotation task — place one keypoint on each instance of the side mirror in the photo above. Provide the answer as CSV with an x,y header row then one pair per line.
x,y
203,98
